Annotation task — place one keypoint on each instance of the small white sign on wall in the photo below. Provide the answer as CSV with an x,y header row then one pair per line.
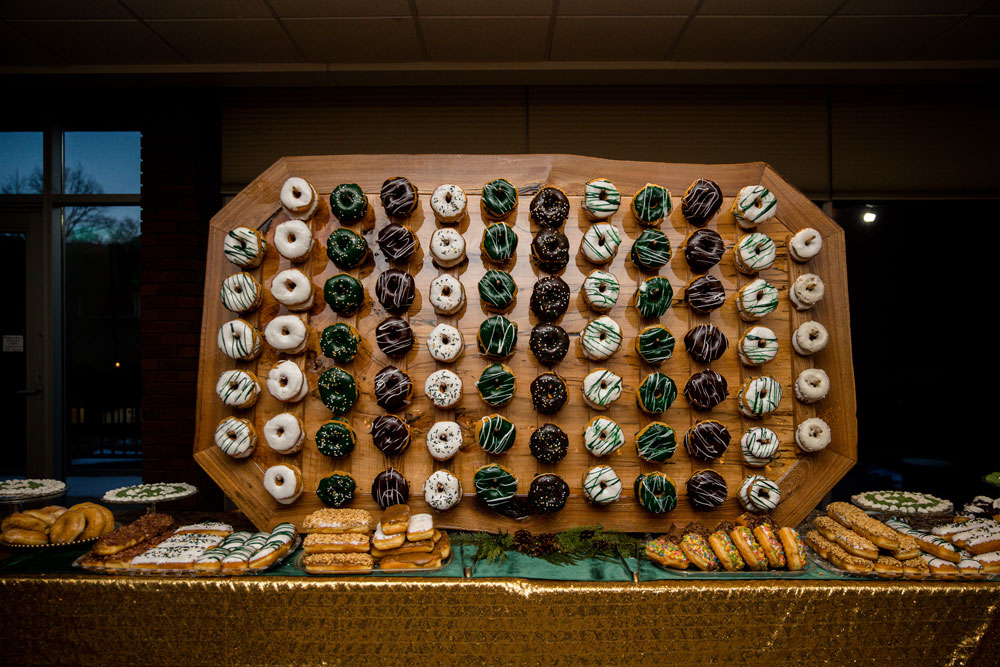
x,y
13,343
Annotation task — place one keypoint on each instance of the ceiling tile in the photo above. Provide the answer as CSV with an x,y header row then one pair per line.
x,y
237,41
355,40
975,38
910,7
744,38
16,50
769,7
853,38
615,38
626,7
340,8
62,9
198,9
452,8
485,39
100,42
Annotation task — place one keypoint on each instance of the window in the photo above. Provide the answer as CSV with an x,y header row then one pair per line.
x,y
101,162
21,163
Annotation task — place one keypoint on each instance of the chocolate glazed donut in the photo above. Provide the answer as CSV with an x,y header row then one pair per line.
x,y
399,197
548,393
549,444
390,435
550,250
706,489
390,488
706,343
394,336
549,343
703,249
701,201
705,294
395,290
706,389
393,389
550,298
396,242
550,207
548,493
707,440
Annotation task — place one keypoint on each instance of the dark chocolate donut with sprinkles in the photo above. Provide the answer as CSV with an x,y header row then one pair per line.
x,y
549,343
550,207
549,444
548,393
550,298
548,493
550,250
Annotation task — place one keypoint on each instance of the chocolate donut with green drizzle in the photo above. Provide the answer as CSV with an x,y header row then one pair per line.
x,y
549,207
496,385
548,393
336,438
499,242
655,492
656,393
497,290
550,250
703,249
705,294
346,249
499,199
349,203
651,204
340,342
653,297
701,201
344,294
497,337
549,298
336,490
651,250
399,197
495,485
656,442
654,344
549,343
337,390
549,444
548,493
495,434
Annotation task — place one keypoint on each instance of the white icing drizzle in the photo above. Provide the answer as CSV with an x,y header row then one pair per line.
x,y
240,293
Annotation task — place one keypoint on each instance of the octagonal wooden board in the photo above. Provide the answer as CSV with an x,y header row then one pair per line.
x,y
803,478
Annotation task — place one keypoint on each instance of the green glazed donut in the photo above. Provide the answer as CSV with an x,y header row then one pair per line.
x,y
651,204
497,290
344,294
656,393
336,438
495,485
495,434
656,492
497,384
336,490
654,344
655,442
497,337
340,342
348,202
337,390
654,296
651,250
499,242
499,199
346,248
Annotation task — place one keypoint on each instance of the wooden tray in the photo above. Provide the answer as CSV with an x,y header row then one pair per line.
x,y
804,479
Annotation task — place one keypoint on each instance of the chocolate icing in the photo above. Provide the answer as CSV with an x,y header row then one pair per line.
x,y
399,197
549,444
548,493
701,201
707,490
392,388
395,290
549,343
706,389
390,435
550,207
704,249
390,488
706,440
548,393
550,250
396,242
394,336
705,294
706,343
550,298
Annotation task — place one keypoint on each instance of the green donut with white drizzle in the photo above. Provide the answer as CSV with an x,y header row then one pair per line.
x,y
656,442
756,299
754,252
651,250
495,485
601,485
337,390
656,393
759,396
601,338
601,199
600,243
499,199
497,337
651,204
495,434
602,436
656,492
601,388
653,297
601,290
499,242
654,344
241,293
497,385
757,346
497,290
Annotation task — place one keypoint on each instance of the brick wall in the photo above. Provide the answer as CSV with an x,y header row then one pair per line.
x,y
180,192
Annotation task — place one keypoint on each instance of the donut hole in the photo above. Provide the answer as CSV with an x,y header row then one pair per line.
x,y
346,199
758,202
601,240
280,432
279,480
232,435
762,394
604,384
283,381
234,385
446,291
815,432
759,295
238,289
762,344
602,195
285,331
291,237
815,382
602,288
443,388
813,335
290,285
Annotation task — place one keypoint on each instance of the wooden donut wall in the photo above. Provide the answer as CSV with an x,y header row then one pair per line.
x,y
803,478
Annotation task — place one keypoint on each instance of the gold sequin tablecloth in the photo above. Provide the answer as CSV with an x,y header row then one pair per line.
x,y
274,620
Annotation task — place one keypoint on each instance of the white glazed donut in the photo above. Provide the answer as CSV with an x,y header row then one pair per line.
x,y
448,202
236,437
238,389
759,396
601,338
759,494
447,247
445,343
806,291
286,382
602,436
284,483
287,333
238,339
812,435
601,485
293,240
444,388
241,292
756,299
442,490
600,242
810,338
444,439
805,244
601,388
601,290
759,446
447,294
299,198
284,433
754,252
293,290
244,247
757,346
753,205
812,385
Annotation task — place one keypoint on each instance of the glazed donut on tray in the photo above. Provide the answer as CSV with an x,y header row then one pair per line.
x,y
293,290
286,382
447,247
812,385
448,202
287,333
809,338
805,245
284,483
445,343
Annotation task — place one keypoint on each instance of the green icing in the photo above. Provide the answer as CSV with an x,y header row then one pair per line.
x,y
759,396
756,250
336,490
751,197
656,442
496,385
497,289
993,478
348,202
499,242
654,297
497,337
243,247
496,434
601,198
651,250
499,197
656,492
651,203
343,293
495,484
340,342
655,344
656,393
605,388
346,248
336,438
337,390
